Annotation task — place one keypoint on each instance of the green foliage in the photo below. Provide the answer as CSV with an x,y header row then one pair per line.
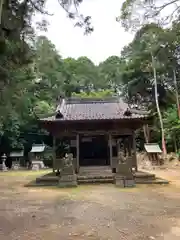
x,y
95,94
33,74
172,125
135,14
42,108
137,77
111,72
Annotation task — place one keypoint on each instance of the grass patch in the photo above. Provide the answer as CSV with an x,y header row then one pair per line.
x,y
25,173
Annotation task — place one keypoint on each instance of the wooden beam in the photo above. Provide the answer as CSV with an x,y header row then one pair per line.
x,y
71,133
134,152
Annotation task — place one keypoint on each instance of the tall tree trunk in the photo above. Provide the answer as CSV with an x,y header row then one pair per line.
x,y
1,9
175,144
158,108
176,92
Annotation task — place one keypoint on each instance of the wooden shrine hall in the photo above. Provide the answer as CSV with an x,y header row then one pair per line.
x,y
94,131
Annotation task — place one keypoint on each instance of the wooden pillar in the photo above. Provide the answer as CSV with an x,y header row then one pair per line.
x,y
54,153
110,150
118,147
129,145
77,153
134,152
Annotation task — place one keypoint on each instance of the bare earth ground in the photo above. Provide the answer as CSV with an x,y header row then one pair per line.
x,y
88,212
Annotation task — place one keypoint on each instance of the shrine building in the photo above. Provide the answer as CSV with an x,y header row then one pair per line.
x,y
95,130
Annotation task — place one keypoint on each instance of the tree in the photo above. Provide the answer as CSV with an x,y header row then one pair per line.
x,y
110,72
172,127
157,106
135,13
72,9
49,70
81,75
142,56
95,94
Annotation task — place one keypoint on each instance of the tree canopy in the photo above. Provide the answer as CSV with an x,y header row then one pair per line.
x,y
134,13
34,74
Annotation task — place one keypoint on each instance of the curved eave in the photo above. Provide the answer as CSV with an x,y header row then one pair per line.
x,y
129,119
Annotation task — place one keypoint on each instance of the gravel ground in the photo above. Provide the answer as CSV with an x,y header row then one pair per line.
x,y
88,212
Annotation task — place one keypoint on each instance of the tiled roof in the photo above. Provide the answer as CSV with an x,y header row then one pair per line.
x,y
37,148
93,109
17,154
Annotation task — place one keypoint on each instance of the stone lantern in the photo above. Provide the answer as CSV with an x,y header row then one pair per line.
x,y
3,165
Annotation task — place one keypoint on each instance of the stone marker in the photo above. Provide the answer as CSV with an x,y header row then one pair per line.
x,y
68,178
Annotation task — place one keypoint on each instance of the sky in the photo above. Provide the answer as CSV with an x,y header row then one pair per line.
x,y
107,39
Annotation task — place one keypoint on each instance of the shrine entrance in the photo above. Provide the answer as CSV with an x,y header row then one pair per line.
x,y
94,151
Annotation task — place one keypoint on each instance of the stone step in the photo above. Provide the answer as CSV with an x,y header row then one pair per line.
x,y
144,176
152,181
48,182
97,180
41,184
95,177
47,179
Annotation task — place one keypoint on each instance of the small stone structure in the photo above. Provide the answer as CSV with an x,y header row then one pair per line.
x,y
15,165
124,176
36,155
68,178
17,157
36,165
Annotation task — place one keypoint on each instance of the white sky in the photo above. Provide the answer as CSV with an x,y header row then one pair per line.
x,y
107,39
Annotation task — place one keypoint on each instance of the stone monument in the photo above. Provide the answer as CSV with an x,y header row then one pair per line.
x,y
68,178
3,165
124,176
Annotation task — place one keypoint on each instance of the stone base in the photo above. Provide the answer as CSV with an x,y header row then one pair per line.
x,y
129,183
40,163
68,181
119,181
122,181
3,167
35,167
15,166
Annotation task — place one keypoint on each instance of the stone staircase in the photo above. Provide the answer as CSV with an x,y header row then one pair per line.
x,y
99,175
103,174
95,174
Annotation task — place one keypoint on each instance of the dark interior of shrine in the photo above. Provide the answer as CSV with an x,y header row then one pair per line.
x,y
94,151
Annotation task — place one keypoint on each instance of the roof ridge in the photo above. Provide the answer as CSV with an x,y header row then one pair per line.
x,y
78,100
